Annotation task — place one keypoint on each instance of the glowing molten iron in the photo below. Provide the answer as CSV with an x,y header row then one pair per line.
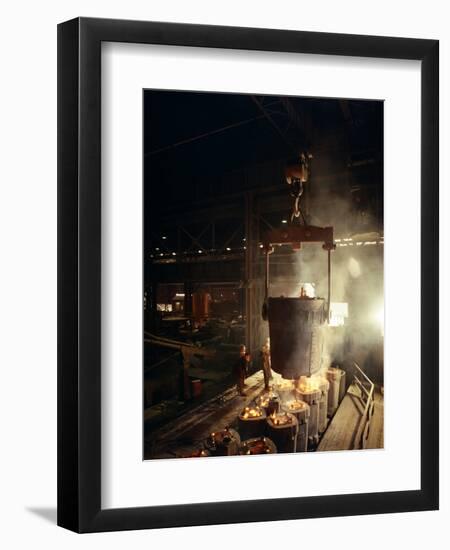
x,y
308,384
258,447
295,405
265,398
251,412
281,419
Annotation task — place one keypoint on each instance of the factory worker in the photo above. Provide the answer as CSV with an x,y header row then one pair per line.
x,y
266,363
241,370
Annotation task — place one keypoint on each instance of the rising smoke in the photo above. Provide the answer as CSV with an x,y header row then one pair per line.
x,y
356,279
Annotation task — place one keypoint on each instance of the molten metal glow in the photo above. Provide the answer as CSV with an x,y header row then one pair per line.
x,y
251,412
281,419
265,398
306,384
295,405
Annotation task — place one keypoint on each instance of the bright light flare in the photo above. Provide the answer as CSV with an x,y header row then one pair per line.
x,y
378,317
338,314
354,268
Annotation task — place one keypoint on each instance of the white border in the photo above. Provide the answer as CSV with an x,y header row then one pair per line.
x,y
127,481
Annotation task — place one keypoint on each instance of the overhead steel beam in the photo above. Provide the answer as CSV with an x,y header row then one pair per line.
x,y
195,240
273,123
205,134
202,136
298,121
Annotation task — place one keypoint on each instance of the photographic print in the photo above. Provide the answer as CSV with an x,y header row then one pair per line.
x,y
224,291
263,274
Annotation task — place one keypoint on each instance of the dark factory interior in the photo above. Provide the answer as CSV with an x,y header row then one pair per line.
x,y
263,274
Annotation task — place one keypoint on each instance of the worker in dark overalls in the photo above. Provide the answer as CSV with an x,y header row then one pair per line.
x,y
265,352
241,370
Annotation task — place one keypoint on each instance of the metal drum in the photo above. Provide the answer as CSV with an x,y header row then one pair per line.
x,y
301,411
311,394
196,388
342,386
252,422
282,429
334,376
200,305
324,387
223,443
258,446
296,335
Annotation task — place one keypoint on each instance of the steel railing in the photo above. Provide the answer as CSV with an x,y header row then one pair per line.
x,y
367,388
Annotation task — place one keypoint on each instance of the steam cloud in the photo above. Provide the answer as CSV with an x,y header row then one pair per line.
x,y
356,278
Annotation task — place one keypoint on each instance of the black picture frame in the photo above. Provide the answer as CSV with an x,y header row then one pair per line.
x,y
79,274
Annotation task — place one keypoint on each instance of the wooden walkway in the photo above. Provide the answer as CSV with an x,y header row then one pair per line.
x,y
376,433
342,428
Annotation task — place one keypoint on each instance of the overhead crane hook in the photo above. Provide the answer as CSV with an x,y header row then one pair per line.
x,y
296,176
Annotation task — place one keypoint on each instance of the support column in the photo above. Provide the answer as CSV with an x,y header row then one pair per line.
x,y
153,296
248,269
254,280
187,298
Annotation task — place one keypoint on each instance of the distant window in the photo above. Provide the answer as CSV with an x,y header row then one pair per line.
x,y
164,307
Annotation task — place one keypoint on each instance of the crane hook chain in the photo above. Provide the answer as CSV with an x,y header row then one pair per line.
x,y
297,192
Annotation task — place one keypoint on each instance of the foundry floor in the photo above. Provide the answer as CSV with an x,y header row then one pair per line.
x,y
186,434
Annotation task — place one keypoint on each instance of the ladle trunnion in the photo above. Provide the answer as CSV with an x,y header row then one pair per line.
x,y
296,324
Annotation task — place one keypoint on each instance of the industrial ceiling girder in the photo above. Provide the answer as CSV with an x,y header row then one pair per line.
x,y
206,134
270,118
